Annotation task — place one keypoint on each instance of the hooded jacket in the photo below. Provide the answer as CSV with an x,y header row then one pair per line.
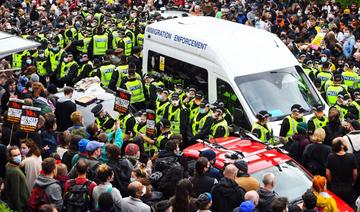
x,y
325,202
265,199
227,195
52,189
63,110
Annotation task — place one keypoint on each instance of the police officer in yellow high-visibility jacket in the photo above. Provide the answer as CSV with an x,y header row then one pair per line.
x,y
17,59
162,103
334,89
260,128
56,56
289,124
105,71
85,68
220,127
200,125
135,87
194,104
67,71
103,119
99,43
319,120
43,67
151,86
178,115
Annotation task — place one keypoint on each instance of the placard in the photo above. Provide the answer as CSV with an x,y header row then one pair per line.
x,y
150,123
162,63
29,118
14,111
122,101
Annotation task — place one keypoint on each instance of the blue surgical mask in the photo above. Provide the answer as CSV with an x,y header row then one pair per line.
x,y
202,110
323,59
132,180
159,97
28,61
17,159
55,49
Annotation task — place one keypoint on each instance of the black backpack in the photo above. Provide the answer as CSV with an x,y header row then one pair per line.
x,y
91,172
78,197
165,163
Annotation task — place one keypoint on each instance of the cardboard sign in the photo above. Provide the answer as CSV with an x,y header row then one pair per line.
x,y
14,111
122,101
150,123
29,118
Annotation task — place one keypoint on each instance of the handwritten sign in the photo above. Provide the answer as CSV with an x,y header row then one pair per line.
x,y
14,111
150,123
122,101
29,118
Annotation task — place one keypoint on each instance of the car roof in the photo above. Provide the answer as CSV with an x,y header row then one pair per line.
x,y
228,44
257,154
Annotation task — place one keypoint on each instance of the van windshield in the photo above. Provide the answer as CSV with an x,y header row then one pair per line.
x,y
276,91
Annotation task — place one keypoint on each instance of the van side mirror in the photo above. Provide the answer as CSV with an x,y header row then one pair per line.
x,y
238,115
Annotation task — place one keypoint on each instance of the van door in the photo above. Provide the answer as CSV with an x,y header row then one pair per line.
x,y
226,94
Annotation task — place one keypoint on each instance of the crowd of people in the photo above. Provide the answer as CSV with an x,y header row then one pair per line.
x,y
114,164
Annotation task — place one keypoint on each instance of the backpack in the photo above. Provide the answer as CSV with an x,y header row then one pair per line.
x,y
77,198
165,163
91,173
37,198
356,153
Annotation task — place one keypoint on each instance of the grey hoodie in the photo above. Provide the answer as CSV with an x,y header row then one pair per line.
x,y
265,199
52,189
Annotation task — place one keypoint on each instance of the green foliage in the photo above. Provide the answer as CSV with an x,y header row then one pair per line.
x,y
3,208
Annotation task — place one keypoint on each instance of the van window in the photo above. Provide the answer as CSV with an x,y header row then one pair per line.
x,y
172,71
276,91
227,95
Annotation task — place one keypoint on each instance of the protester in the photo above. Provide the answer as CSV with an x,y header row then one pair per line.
x,y
266,193
323,199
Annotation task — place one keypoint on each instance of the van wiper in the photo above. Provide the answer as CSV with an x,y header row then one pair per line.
x,y
279,167
297,200
218,146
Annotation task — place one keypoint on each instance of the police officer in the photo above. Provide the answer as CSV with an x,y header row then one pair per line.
x,y
86,68
180,91
140,37
151,86
201,123
17,59
220,127
106,71
289,124
162,103
104,120
194,104
165,134
43,67
190,95
342,104
135,58
135,87
319,120
67,71
334,89
356,103
319,87
140,130
325,73
178,116
130,32
309,69
260,128
99,43
128,45
127,124
350,77
56,56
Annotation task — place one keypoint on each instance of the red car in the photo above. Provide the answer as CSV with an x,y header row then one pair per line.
x,y
292,179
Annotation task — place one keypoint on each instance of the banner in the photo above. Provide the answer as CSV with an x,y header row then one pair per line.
x,y
29,118
14,111
150,123
122,101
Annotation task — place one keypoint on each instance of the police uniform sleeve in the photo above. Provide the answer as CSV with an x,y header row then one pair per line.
x,y
257,133
130,126
152,95
205,131
85,72
311,127
113,80
220,132
91,47
72,73
122,84
184,120
285,126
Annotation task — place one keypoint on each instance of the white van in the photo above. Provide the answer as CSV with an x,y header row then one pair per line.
x,y
248,69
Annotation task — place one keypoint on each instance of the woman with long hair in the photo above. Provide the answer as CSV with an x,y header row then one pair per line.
x,y
32,161
183,200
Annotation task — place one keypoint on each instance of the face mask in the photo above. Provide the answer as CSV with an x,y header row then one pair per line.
x,y
178,90
138,119
30,89
133,15
143,191
175,103
41,55
74,13
346,34
81,60
55,49
28,62
77,25
202,110
17,159
299,13
66,60
132,180
323,59
159,97
24,152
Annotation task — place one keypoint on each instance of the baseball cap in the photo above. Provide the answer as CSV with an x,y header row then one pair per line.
x,y
297,108
93,145
318,107
131,149
338,78
326,52
175,96
82,145
263,114
204,103
247,206
97,109
241,165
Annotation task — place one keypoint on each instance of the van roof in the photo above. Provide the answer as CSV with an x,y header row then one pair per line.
x,y
240,49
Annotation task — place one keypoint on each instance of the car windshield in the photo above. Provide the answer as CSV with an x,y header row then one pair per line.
x,y
276,91
291,180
